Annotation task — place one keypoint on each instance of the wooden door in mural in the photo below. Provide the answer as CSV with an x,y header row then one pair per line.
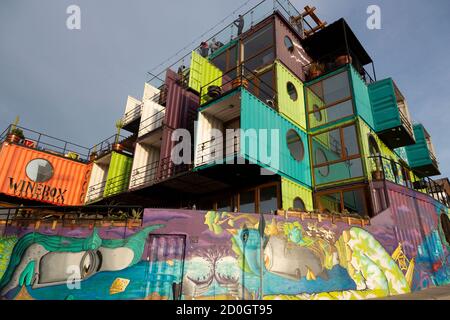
x,y
165,257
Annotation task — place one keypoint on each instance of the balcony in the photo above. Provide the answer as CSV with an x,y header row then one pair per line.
x,y
45,143
398,173
116,143
390,114
421,155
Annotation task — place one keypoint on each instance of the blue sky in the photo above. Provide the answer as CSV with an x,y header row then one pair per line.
x,y
74,84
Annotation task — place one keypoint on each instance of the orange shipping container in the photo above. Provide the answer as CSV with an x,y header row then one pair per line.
x,y
32,174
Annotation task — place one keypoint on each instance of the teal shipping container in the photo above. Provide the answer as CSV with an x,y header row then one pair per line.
x,y
361,98
293,154
118,174
421,155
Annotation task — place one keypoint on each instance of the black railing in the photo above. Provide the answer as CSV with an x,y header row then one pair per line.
x,y
207,151
108,188
46,143
144,176
334,61
106,146
152,123
245,79
390,170
68,216
133,114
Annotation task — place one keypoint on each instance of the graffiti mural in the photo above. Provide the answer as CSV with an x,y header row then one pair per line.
x,y
181,254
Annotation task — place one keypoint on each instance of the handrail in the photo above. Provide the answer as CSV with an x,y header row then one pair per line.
x,y
98,190
139,176
206,151
47,143
241,79
426,184
156,119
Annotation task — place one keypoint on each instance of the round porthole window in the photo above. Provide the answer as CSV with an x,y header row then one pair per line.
x,y
299,204
445,224
295,145
317,113
39,170
292,91
321,158
289,44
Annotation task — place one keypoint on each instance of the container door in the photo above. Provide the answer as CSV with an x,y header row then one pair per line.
x,y
165,256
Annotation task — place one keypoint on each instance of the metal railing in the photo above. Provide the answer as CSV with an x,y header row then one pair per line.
x,y
152,123
328,64
207,151
406,122
108,188
106,145
390,170
133,114
244,78
68,216
229,33
42,142
144,176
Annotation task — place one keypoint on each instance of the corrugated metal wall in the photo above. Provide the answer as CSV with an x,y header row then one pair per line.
x,y
205,124
67,175
418,153
291,190
361,97
256,115
384,105
203,72
118,174
141,172
96,182
295,60
151,118
132,103
292,109
149,92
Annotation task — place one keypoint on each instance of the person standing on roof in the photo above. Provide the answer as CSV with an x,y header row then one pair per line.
x,y
239,23
204,49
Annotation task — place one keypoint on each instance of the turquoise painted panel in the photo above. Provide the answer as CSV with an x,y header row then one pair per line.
x,y
258,116
384,105
222,49
118,174
401,152
361,98
418,154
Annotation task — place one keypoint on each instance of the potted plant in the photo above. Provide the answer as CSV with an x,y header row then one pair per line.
x,y
117,146
93,154
343,59
377,174
15,135
316,69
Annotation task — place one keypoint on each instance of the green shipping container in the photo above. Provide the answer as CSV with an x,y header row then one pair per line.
x,y
258,116
118,174
419,154
384,105
291,101
293,194
361,98
203,72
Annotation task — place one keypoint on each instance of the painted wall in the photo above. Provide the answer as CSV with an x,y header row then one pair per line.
x,y
66,182
384,103
291,190
402,250
203,72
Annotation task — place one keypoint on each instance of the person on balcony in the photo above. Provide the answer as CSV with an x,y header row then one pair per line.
x,y
204,49
215,45
239,23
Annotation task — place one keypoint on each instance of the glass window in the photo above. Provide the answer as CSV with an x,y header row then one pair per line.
x,y
247,202
351,141
289,44
330,202
263,59
295,145
266,91
224,205
336,112
317,113
221,61
299,204
321,158
336,88
292,91
354,202
39,170
345,170
268,199
258,42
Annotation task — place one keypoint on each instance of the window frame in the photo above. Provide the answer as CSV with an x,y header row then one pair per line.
x,y
313,110
341,191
